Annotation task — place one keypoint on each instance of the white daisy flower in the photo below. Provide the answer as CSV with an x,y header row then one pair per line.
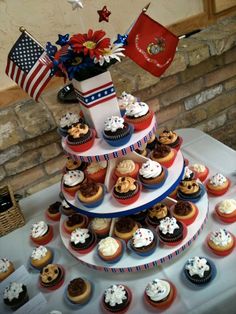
x,y
113,52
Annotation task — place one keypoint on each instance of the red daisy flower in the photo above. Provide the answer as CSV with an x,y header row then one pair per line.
x,y
92,43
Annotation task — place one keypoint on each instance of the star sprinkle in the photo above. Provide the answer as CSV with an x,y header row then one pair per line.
x,y
121,39
104,14
76,4
62,39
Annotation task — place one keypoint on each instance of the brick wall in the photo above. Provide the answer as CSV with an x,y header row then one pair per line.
x,y
198,90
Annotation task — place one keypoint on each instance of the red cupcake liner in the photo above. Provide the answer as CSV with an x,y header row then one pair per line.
x,y
185,231
228,220
141,125
98,177
58,285
45,239
201,175
129,200
221,253
79,148
165,304
87,250
218,192
71,192
188,221
169,163
55,217
106,311
83,226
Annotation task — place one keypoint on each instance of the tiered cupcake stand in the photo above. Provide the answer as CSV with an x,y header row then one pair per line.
x,y
111,209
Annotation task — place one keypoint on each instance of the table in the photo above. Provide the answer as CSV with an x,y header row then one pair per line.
x,y
219,296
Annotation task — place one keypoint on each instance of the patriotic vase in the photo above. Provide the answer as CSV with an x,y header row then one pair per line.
x,y
97,99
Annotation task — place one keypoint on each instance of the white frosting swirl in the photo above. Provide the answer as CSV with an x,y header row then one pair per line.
x,y
108,246
4,265
218,179
188,174
39,252
125,166
126,99
227,206
114,123
221,237
198,167
95,166
138,109
197,266
158,290
65,204
116,294
74,177
100,223
68,119
168,225
79,235
39,229
142,237
150,169
13,291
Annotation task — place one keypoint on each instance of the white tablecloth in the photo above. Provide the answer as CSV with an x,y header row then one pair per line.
x,y
217,297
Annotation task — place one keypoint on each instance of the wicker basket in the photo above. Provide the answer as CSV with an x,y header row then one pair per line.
x,y
12,218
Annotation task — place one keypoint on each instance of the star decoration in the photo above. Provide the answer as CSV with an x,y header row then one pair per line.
x,y
104,14
121,39
76,4
62,39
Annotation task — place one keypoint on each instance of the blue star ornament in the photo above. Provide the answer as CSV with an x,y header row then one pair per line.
x,y
121,39
62,39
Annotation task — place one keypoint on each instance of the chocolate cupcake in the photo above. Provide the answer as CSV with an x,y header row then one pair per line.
x,y
163,154
91,194
82,240
169,138
75,221
15,295
143,242
79,291
198,270
80,137
75,164
156,213
170,230
151,143
116,298
126,190
125,228
66,209
189,190
53,211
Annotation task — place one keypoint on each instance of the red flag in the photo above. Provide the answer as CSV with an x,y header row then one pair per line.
x,y
151,45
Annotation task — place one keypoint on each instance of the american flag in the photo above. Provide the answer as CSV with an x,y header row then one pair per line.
x,y
25,66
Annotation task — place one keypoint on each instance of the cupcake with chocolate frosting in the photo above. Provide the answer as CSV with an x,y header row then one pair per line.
x,y
91,194
185,211
125,228
163,154
79,291
53,211
66,209
75,221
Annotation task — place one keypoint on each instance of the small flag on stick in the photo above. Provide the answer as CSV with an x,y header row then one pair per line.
x,y
27,67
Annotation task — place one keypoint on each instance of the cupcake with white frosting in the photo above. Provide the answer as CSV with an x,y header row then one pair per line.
x,y
226,210
159,293
82,240
41,233
15,295
170,230
127,168
96,171
139,115
66,121
116,132
101,226
221,242
116,299
198,270
143,242
72,180
41,256
124,101
6,268
218,184
152,175
110,249
201,171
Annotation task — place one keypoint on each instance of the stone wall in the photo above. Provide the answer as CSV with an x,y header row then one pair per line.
x,y
198,90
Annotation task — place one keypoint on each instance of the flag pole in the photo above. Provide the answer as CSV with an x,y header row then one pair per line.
x,y
23,30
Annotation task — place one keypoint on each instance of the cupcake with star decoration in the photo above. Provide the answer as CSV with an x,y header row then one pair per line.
x,y
143,242
218,184
221,242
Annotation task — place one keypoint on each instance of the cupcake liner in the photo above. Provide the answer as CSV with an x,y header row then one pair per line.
x,y
130,200
156,185
141,123
55,218
95,203
144,254
227,220
58,285
185,231
87,250
218,192
161,305
187,221
119,141
98,177
224,252
201,175
118,258
79,148
192,199
71,191
77,306
169,163
38,269
106,311
122,112
83,226
45,239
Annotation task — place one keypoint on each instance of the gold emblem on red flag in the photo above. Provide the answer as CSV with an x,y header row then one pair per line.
x,y
156,47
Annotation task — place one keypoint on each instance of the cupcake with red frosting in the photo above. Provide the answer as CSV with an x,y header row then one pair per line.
x,y
80,137
221,242
139,115
218,184
226,210
41,233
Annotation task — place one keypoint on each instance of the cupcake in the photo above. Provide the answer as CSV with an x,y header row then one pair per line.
x,y
40,257
139,115
15,295
96,171
218,184
6,268
116,299
66,122
79,291
170,231
91,194
170,138
41,233
66,209
116,131
53,212
143,242
189,190
75,221
75,164
226,210
125,228
126,190
188,174
221,242
82,240
124,100
163,154
201,171
142,152
52,277
152,142
159,293
72,181
101,226
152,175
156,213
110,249
198,270
127,168
185,212
80,137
